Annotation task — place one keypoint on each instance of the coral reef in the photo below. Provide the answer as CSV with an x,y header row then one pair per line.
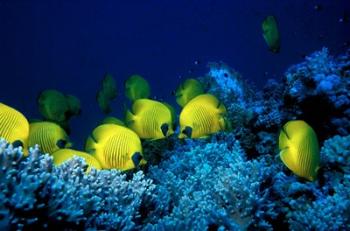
x,y
37,195
319,88
212,185
230,181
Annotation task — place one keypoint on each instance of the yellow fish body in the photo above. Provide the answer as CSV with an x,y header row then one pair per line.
x,y
14,127
202,116
299,149
187,91
136,87
271,34
150,119
49,136
63,155
115,146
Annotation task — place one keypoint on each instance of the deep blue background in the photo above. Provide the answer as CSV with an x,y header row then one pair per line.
x,y
69,45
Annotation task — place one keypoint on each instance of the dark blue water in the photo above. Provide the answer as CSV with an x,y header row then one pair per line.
x,y
70,45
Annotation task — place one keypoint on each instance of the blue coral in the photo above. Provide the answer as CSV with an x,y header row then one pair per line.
x,y
38,195
320,84
213,185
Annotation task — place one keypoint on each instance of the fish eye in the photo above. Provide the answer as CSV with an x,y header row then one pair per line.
x,y
61,143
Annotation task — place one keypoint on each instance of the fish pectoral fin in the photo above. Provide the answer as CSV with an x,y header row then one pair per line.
x,y
222,123
204,137
129,118
287,158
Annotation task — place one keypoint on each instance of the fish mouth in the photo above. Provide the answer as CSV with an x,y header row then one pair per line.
x,y
165,129
187,131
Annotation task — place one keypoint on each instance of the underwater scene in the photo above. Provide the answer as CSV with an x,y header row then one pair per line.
x,y
175,115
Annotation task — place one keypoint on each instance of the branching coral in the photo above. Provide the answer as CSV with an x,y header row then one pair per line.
x,y
213,185
38,195
320,89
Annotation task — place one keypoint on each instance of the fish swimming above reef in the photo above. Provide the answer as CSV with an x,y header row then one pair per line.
x,y
271,33
107,93
57,107
202,116
115,146
136,87
299,149
150,119
14,127
49,136
187,90
62,155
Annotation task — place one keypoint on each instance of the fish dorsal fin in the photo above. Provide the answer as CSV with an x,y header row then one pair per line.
x,y
222,123
208,99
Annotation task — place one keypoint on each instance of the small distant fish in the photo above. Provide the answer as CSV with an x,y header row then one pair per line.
x,y
14,127
115,146
112,120
271,33
136,87
299,149
73,105
187,91
63,155
49,136
53,105
318,7
150,119
202,116
107,93
344,18
57,107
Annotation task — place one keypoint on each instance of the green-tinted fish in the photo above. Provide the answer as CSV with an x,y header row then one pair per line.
x,y
187,91
49,136
115,146
73,106
107,93
271,34
150,119
56,107
53,105
202,116
112,120
136,88
63,155
14,127
299,149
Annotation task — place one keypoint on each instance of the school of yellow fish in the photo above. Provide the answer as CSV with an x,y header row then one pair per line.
x,y
117,144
